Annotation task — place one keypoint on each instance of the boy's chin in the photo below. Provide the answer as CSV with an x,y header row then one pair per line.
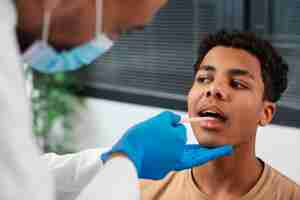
x,y
211,141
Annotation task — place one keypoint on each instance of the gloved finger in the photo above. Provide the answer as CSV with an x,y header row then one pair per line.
x,y
171,117
195,155
180,131
175,119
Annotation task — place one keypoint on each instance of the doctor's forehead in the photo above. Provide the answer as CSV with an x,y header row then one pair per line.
x,y
144,4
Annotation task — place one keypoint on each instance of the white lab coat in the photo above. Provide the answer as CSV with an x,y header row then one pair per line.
x,y
24,175
82,176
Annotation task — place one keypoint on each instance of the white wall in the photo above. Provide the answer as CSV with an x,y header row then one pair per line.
x,y
105,121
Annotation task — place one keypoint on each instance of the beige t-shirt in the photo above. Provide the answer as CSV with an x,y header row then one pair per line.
x,y
180,185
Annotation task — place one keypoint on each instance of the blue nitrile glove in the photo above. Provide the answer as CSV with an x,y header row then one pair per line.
x,y
158,146
196,154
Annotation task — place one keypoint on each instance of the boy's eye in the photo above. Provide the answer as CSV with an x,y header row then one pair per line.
x,y
238,84
203,79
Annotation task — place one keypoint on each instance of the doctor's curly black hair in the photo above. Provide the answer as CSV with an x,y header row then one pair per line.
x,y
274,68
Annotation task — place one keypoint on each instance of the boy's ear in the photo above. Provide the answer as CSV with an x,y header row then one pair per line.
x,y
268,112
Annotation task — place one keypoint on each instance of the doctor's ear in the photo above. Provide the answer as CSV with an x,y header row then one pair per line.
x,y
267,113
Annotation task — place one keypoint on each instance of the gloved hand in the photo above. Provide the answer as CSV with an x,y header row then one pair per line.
x,y
158,146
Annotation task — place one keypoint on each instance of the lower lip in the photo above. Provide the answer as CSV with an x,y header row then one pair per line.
x,y
211,123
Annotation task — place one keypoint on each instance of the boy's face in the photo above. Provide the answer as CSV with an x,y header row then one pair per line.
x,y
229,83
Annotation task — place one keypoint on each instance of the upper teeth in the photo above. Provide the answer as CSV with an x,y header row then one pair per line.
x,y
211,112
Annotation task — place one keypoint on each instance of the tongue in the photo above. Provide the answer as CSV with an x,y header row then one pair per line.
x,y
211,116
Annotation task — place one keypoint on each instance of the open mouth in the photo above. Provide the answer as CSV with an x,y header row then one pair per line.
x,y
213,114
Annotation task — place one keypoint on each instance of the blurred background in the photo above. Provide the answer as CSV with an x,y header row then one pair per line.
x,y
151,71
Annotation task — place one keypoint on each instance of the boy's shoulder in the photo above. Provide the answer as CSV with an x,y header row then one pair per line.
x,y
283,185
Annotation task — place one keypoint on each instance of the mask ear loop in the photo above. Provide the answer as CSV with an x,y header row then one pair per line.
x,y
46,26
48,7
99,17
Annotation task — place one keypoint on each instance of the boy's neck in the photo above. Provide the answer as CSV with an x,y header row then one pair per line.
x,y
230,177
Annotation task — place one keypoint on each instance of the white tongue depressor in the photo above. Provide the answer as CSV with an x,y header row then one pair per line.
x,y
186,120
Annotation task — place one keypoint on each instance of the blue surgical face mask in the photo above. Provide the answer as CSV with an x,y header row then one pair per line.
x,y
44,58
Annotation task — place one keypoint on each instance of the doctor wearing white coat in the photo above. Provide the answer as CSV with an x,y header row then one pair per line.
x,y
83,175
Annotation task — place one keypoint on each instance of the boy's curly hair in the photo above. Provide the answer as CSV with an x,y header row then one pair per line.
x,y
274,69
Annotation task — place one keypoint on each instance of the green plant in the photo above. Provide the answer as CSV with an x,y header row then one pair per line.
x,y
54,103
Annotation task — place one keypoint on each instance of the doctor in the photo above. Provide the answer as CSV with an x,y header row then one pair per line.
x,y
24,175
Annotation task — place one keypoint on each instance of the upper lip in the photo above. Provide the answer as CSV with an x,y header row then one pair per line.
x,y
213,108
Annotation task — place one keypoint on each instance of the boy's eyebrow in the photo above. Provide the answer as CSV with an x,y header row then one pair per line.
x,y
240,72
231,72
207,68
